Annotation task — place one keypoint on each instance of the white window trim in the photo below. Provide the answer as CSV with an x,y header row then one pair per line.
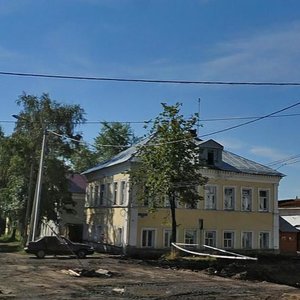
x,y
115,193
192,229
234,238
246,188
109,193
216,195
269,200
264,231
155,237
252,239
210,230
234,198
103,193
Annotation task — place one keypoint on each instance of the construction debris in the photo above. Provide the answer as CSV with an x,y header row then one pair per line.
x,y
88,273
119,290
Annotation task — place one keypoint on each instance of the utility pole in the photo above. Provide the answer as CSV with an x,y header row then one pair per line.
x,y
37,196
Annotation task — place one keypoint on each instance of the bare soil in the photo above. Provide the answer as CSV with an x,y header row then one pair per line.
x,y
23,276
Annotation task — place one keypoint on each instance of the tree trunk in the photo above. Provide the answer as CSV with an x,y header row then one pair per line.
x,y
174,224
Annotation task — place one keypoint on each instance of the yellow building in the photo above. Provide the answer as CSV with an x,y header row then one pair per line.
x,y
239,210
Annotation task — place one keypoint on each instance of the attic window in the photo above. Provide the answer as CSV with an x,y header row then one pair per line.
x,y
210,157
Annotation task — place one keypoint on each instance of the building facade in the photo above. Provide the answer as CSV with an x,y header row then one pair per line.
x,y
71,218
238,211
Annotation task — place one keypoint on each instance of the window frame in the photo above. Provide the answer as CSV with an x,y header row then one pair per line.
x,y
102,194
212,206
195,232
123,192
214,239
169,232
109,193
259,239
267,208
251,199
233,200
115,192
251,240
96,195
231,240
153,240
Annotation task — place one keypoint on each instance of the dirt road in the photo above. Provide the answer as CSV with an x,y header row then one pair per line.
x,y
25,277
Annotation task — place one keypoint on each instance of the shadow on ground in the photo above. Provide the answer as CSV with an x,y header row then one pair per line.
x,y
8,246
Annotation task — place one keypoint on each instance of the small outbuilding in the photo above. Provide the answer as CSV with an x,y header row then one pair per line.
x,y
288,237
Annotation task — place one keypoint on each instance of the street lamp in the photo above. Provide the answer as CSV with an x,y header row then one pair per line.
x,y
38,189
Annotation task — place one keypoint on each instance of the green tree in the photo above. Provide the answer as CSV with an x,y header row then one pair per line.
x,y
83,158
168,164
112,139
59,120
9,183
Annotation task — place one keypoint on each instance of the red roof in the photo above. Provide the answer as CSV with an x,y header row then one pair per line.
x,y
289,203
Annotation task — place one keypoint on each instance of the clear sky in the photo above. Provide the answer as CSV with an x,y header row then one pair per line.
x,y
197,40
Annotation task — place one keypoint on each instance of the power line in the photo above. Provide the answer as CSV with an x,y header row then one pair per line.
x,y
284,160
138,80
288,163
252,121
151,121
247,117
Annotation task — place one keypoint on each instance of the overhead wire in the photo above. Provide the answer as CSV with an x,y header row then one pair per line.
x,y
151,121
140,80
181,140
280,161
252,121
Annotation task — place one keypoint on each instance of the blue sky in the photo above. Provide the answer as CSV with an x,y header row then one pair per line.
x,y
198,40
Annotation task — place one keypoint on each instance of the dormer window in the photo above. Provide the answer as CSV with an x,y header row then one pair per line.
x,y
210,157
210,152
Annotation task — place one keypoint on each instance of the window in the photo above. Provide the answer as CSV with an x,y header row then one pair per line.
x,y
167,238
210,238
190,237
210,197
96,195
228,239
247,240
148,238
109,193
210,157
91,195
123,192
263,200
246,199
115,199
229,198
102,194
264,240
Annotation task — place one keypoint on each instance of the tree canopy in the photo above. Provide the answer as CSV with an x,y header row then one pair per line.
x,y
38,114
112,139
168,167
